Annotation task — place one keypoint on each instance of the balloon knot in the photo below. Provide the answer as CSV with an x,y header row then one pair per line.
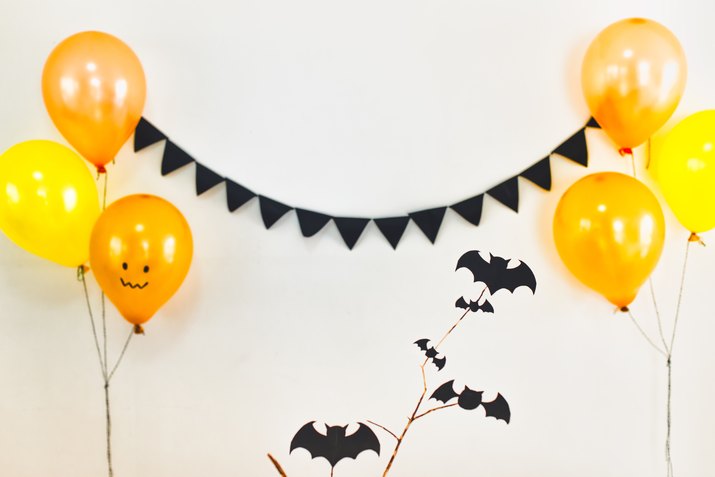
x,y
696,238
625,151
101,170
624,309
138,330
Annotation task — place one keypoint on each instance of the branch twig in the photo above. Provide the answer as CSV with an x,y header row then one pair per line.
x,y
415,414
277,466
435,409
384,429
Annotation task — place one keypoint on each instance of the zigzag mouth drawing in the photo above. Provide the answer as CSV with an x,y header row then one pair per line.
x,y
132,285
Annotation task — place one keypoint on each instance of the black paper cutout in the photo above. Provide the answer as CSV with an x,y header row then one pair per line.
x,y
470,209
429,221
445,392
592,123
334,445
574,148
498,408
431,353
174,158
539,173
392,228
206,178
350,229
495,274
272,210
507,193
311,222
469,400
474,306
237,195
146,134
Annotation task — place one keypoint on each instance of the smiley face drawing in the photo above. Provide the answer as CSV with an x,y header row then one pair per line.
x,y
140,251
137,285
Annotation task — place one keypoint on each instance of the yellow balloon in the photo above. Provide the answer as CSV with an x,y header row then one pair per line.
x,y
609,231
48,201
684,168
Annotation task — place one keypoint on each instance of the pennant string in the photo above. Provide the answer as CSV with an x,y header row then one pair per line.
x,y
429,221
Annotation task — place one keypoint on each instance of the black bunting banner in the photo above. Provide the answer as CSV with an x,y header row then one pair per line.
x,y
429,221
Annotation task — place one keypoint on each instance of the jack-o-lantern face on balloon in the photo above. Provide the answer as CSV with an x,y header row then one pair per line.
x,y
140,252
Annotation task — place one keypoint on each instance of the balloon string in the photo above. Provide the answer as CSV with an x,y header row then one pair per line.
x,y
657,315
680,294
102,351
647,338
121,355
109,428
80,275
104,193
668,457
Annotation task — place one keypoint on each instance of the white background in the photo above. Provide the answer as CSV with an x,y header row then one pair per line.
x,y
370,108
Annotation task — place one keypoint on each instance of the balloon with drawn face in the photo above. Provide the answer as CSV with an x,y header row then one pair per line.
x,y
140,252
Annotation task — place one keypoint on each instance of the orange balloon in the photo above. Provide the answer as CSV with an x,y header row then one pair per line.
x,y
94,89
609,231
633,76
140,251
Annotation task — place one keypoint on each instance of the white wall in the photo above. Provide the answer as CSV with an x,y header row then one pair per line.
x,y
355,108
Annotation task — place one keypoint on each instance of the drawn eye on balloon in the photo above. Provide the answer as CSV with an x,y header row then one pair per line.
x,y
136,285
140,252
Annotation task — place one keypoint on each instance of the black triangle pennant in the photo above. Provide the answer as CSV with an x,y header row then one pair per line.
x,y
539,173
507,193
146,134
470,209
311,222
206,178
592,123
429,221
272,210
237,195
174,158
393,228
574,148
350,229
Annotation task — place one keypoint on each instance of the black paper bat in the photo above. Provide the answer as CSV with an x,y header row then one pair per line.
x,y
495,274
334,445
474,306
469,399
431,353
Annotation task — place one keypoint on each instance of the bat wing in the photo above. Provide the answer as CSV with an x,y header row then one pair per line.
x,y
479,267
439,362
462,303
362,440
486,307
445,392
498,408
489,273
422,344
513,278
310,439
